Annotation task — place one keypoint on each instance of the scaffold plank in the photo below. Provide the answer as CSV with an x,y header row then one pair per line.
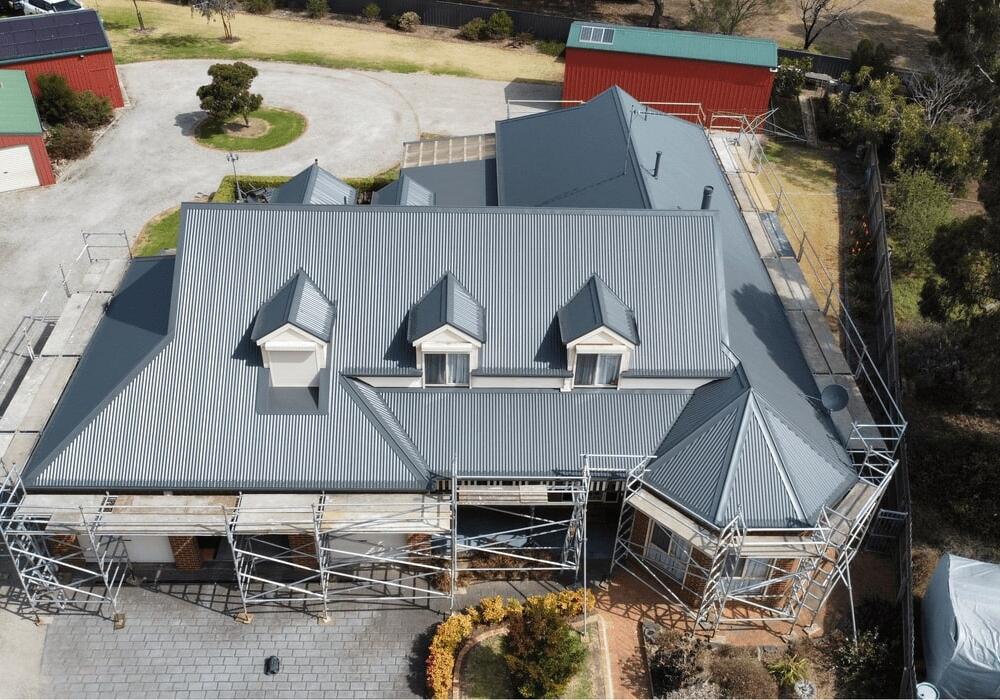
x,y
48,393
68,318
84,329
662,513
19,406
402,513
19,449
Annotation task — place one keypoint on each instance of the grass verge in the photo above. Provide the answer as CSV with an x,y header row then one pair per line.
x,y
285,127
159,234
176,33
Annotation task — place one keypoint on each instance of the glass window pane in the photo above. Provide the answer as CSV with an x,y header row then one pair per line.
x,y
586,366
435,369
458,368
607,369
585,33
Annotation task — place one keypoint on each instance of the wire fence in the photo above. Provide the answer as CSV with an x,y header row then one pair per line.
x,y
887,358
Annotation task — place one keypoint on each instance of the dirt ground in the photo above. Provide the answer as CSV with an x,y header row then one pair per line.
x,y
176,33
906,25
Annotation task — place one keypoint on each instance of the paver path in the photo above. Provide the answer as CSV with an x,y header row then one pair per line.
x,y
147,161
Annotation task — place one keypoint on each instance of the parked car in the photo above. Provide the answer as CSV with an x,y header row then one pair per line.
x,y
44,7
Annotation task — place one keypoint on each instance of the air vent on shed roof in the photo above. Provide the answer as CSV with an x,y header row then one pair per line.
x,y
597,35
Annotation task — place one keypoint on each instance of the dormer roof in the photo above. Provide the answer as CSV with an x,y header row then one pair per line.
x,y
298,302
596,306
314,186
447,303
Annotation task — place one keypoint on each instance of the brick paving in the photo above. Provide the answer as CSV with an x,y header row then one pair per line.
x,y
184,645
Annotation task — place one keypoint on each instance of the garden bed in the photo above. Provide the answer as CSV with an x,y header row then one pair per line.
x,y
269,128
482,673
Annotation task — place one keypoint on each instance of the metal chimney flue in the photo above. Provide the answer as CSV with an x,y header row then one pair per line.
x,y
706,197
656,165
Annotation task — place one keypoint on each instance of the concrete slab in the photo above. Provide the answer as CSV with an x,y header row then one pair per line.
x,y
48,394
19,406
68,319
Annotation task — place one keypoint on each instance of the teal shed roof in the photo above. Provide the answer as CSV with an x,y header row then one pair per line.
x,y
17,108
696,46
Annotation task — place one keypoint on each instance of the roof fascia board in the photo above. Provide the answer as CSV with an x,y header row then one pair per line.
x,y
52,56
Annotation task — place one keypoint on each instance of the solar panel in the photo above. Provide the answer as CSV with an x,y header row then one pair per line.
x,y
597,35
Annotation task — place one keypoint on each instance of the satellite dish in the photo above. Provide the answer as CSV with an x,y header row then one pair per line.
x,y
927,691
834,398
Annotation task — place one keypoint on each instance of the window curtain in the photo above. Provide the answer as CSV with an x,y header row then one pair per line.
x,y
446,369
597,370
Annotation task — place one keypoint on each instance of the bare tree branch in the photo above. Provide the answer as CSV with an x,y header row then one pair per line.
x,y
731,16
946,93
819,15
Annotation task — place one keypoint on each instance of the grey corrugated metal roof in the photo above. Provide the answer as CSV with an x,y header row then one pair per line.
x,y
413,194
596,306
730,452
314,186
300,303
447,303
54,34
468,184
504,433
232,257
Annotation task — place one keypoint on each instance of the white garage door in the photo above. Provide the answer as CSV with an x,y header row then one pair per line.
x,y
17,170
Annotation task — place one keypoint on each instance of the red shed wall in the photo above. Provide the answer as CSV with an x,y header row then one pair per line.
x,y
719,87
38,154
92,71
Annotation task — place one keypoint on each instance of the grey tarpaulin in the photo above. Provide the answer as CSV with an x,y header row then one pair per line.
x,y
961,612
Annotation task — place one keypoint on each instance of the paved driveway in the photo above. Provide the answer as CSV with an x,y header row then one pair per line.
x,y
147,161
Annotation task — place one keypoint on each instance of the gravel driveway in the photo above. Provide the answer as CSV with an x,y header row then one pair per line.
x,y
148,162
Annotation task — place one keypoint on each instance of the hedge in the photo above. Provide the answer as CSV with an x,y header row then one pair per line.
x,y
451,633
226,191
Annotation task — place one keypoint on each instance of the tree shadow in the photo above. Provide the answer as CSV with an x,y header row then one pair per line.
x,y
526,89
417,662
188,122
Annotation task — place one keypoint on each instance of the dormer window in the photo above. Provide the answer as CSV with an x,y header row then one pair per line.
x,y
600,334
293,330
447,329
597,369
446,369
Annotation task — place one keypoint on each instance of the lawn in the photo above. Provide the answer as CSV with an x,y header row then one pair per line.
x,y
484,674
177,33
159,234
284,126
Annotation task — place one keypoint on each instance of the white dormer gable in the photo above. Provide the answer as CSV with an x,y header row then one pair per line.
x,y
447,339
294,357
600,341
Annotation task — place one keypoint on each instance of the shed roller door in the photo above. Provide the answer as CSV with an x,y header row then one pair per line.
x,y
17,169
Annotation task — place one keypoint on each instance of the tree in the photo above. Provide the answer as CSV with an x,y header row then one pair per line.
x,y
878,57
791,76
225,10
948,150
870,113
56,100
229,92
138,16
730,16
541,651
920,205
966,257
946,93
968,35
819,15
989,186
654,20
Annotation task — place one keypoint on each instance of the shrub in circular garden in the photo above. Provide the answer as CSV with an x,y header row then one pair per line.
x,y
541,651
258,7
371,12
316,8
500,25
68,142
408,22
90,110
473,30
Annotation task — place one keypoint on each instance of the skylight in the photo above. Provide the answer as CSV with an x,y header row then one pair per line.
x,y
597,35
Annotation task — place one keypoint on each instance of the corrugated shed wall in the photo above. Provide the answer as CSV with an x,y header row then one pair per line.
x,y
38,153
719,87
95,72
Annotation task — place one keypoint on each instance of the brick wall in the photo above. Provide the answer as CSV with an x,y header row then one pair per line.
x,y
306,546
187,556
640,529
780,589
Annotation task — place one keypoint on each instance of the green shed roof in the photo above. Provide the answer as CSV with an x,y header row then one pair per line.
x,y
17,108
674,44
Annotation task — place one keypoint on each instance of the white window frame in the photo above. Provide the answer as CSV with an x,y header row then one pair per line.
x,y
446,354
598,355
597,35
741,583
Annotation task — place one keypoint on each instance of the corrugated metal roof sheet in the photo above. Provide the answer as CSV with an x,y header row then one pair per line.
x,y
469,184
17,107
447,303
672,43
413,194
54,34
231,258
596,306
315,186
300,303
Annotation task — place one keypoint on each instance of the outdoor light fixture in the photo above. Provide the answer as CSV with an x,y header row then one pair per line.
x,y
232,158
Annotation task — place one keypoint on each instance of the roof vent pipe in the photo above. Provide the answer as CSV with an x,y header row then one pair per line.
x,y
706,197
656,165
